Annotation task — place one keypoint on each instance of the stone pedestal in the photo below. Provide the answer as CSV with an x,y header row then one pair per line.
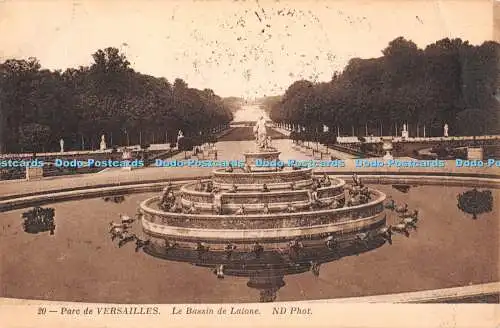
x,y
387,147
127,156
474,153
264,155
34,173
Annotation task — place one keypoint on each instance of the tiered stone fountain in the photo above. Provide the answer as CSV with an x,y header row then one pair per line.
x,y
263,224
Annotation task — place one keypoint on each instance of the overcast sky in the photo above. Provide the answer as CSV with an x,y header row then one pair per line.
x,y
239,48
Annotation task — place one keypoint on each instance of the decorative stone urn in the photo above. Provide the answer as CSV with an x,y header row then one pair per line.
x,y
387,147
127,155
475,153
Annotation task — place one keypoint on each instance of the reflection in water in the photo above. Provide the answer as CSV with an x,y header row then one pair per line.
x,y
475,202
115,199
39,220
266,270
404,188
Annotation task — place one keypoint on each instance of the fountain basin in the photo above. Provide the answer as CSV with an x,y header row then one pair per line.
x,y
221,177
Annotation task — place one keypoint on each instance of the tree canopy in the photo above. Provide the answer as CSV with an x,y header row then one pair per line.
x,y
38,107
447,82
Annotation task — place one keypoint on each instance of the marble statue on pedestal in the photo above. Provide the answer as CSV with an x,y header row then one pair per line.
x,y
269,142
61,144
260,132
103,145
404,133
180,135
445,128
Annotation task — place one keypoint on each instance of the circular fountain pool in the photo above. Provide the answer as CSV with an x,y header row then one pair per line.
x,y
81,263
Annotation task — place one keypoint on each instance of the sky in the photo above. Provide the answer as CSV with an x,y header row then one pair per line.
x,y
250,113
237,48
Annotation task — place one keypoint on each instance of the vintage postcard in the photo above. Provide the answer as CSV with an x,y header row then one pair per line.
x,y
294,163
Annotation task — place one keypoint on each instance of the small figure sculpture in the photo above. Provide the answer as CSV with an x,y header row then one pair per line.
x,y
331,242
315,268
257,249
334,204
229,248
176,208
61,144
219,271
167,199
192,209
269,142
218,203
241,210
199,186
326,180
445,130
356,180
209,186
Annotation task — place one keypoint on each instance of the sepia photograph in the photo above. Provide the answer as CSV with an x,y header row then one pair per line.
x,y
173,163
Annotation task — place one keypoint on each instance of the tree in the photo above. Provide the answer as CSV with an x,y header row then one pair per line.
x,y
34,136
426,87
108,97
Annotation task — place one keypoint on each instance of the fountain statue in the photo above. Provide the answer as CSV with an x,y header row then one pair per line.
x,y
237,225
264,220
260,133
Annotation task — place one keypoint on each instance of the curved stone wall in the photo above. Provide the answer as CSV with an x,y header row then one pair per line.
x,y
189,194
333,190
251,157
265,197
259,221
274,177
313,239
300,184
350,226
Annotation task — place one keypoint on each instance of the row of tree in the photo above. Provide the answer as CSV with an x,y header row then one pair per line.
x,y
449,82
38,107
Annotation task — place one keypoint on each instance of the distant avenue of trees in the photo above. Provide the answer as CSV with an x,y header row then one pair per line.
x,y
38,107
450,81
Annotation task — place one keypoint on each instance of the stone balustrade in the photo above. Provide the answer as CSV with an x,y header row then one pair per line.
x,y
300,184
269,155
265,197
